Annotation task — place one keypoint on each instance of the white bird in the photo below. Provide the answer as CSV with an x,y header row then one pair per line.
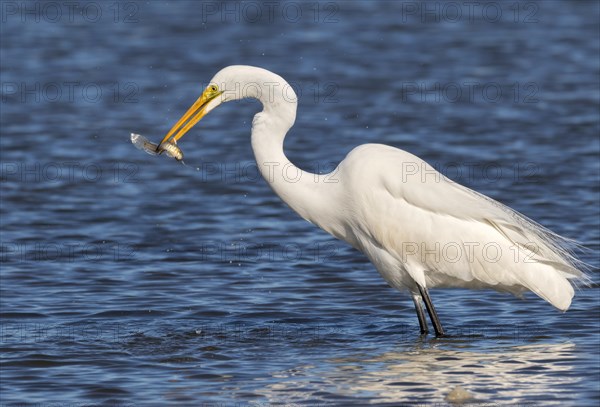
x,y
420,229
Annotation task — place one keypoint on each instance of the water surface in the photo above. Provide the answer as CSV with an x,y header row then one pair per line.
x,y
132,280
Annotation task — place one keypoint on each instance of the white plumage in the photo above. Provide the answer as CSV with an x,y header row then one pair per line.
x,y
420,229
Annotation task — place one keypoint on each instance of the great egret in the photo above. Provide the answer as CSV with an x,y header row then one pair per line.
x,y
418,228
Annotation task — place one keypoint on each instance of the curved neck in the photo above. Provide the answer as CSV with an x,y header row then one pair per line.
x,y
310,195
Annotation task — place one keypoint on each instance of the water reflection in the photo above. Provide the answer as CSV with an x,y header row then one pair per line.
x,y
428,373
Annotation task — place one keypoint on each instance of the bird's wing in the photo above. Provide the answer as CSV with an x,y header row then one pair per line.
x,y
411,209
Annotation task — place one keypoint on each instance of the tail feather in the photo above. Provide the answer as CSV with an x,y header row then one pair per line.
x,y
554,287
546,246
553,270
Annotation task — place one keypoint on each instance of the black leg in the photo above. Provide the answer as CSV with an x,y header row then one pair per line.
x,y
439,331
420,314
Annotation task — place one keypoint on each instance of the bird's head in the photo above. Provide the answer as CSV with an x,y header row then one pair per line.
x,y
233,83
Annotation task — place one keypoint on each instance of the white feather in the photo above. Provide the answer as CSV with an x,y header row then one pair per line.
x,y
447,235
415,225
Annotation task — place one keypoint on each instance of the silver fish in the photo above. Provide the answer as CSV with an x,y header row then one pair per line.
x,y
169,147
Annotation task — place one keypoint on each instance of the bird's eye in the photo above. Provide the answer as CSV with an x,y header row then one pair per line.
x,y
213,88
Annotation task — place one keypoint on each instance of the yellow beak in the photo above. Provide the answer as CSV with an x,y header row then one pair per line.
x,y
192,116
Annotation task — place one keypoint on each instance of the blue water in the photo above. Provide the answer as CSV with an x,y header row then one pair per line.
x,y
132,280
